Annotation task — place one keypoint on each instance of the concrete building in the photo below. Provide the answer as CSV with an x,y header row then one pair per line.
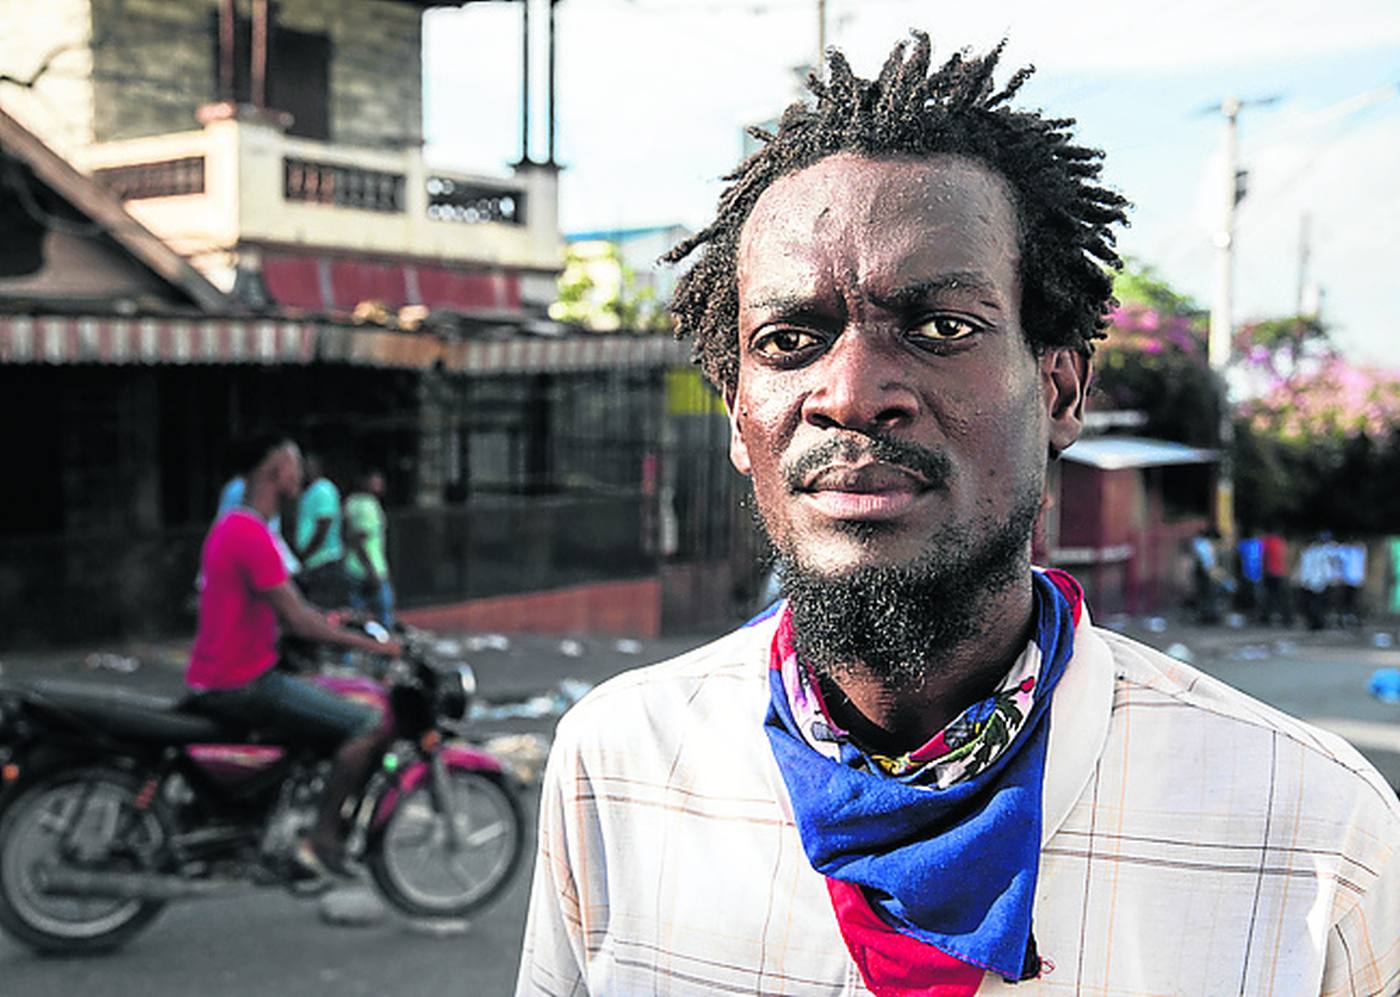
x,y
278,147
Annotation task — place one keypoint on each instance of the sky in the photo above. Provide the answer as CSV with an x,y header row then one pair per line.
x,y
653,95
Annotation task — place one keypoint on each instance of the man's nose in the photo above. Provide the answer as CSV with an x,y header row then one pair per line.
x,y
863,385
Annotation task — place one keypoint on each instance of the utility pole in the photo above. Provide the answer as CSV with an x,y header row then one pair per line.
x,y
1304,258
821,39
1220,345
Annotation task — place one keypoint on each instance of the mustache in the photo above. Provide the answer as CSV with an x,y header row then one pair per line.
x,y
931,465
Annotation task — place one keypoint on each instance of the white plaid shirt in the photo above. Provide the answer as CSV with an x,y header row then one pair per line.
x,y
1195,842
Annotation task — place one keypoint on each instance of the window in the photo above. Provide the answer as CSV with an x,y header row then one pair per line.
x,y
298,73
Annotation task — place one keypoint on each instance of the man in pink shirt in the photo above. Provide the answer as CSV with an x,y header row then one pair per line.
x,y
247,599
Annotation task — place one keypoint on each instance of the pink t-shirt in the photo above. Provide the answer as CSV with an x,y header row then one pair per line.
x,y
237,639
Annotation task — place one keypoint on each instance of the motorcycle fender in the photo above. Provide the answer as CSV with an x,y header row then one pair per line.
x,y
454,756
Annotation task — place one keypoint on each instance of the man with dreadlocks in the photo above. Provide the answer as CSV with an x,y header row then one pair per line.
x,y
924,771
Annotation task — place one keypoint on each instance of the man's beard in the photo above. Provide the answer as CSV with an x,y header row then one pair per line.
x,y
898,620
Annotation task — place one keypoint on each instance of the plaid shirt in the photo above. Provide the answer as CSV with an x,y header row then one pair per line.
x,y
1195,842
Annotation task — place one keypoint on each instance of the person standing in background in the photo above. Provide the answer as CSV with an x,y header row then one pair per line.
x,y
367,563
318,538
1351,558
1276,594
1249,595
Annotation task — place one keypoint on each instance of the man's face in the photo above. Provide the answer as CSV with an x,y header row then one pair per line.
x,y
888,406
290,473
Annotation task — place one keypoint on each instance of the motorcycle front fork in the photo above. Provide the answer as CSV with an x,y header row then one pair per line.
x,y
439,791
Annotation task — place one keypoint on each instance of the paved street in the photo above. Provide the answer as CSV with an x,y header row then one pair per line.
x,y
271,944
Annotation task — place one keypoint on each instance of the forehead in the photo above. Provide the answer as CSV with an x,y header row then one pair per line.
x,y
872,219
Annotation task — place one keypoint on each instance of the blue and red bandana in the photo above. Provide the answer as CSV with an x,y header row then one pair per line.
x,y
932,883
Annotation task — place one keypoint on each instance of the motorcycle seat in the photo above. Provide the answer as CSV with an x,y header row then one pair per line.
x,y
131,715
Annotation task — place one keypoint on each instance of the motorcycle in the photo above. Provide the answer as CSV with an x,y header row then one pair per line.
x,y
114,804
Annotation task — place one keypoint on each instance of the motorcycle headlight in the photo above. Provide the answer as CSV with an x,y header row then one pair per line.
x,y
455,692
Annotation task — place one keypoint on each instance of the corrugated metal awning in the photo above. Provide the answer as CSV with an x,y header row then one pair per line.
x,y
1113,453
90,340
121,341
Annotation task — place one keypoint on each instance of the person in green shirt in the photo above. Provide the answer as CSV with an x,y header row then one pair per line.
x,y
318,539
367,562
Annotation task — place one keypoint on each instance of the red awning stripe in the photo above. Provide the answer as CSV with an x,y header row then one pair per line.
x,y
120,341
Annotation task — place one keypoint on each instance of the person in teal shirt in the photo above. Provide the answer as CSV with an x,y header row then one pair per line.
x,y
367,560
318,539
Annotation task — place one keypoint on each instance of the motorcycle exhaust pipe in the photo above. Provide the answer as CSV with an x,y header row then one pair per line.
x,y
68,882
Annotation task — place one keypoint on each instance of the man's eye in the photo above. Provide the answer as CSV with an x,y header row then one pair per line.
x,y
784,342
943,329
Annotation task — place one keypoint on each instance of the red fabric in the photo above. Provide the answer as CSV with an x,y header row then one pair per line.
x,y
237,639
1069,588
1275,555
294,281
354,281
467,291
895,965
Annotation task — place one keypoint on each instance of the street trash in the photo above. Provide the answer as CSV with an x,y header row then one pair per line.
x,y
1382,638
574,689
523,755
488,642
1284,647
1156,624
448,648
111,662
546,704
1180,652
353,907
1385,685
628,647
1116,622
438,927
1234,620
571,649
1251,652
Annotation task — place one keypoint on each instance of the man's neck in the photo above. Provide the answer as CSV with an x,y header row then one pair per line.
x,y
262,498
895,717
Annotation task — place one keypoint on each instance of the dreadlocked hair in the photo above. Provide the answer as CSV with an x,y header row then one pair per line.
x,y
1065,217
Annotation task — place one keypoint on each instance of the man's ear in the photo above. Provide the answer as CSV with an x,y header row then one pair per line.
x,y
738,449
1065,380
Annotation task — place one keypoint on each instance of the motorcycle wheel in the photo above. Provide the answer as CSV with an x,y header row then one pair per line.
x,y
31,828
413,863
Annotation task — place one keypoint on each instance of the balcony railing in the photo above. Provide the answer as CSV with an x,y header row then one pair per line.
x,y
343,186
452,200
167,178
251,183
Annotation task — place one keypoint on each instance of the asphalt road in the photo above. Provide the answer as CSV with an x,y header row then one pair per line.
x,y
271,944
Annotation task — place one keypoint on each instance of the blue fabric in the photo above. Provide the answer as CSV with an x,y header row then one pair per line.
x,y
954,868
1252,559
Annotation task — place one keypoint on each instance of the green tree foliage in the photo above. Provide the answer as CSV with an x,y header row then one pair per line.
x,y
1317,439
598,291
1154,360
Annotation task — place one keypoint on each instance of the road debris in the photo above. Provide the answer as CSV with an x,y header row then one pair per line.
x,y
1385,685
1180,652
487,642
523,755
105,661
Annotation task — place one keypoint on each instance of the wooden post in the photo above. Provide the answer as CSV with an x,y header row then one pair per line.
x,y
258,53
227,26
